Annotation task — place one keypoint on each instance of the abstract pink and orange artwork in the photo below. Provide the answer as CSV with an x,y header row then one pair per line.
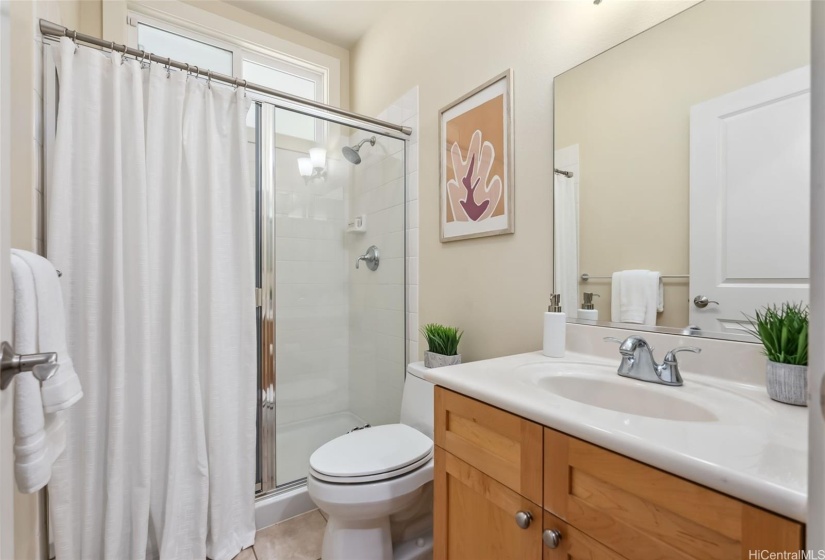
x,y
476,163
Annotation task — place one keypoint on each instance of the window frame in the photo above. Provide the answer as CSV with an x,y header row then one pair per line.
x,y
255,54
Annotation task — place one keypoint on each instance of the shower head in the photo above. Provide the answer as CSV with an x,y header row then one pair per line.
x,y
351,153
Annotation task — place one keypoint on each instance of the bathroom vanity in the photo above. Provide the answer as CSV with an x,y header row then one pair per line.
x,y
563,458
506,487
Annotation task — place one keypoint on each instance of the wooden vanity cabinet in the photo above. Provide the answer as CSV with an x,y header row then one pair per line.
x,y
504,446
644,513
488,468
574,545
474,515
491,464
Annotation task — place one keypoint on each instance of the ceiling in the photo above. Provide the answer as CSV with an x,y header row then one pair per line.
x,y
341,22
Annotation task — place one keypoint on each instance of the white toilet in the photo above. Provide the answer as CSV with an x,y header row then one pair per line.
x,y
376,484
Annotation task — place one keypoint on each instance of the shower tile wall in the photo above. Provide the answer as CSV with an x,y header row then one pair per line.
x,y
377,319
311,296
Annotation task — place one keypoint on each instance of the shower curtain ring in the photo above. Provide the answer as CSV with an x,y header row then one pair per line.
x,y
197,73
209,79
74,40
168,69
244,88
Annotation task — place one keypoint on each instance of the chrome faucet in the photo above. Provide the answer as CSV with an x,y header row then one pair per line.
x,y
638,362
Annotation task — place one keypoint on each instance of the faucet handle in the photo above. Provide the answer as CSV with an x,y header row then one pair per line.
x,y
619,341
670,357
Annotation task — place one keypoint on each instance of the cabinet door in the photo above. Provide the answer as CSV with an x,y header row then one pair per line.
x,y
502,445
475,516
573,544
647,514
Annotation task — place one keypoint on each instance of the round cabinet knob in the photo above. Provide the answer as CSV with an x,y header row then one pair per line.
x,y
702,301
523,519
551,538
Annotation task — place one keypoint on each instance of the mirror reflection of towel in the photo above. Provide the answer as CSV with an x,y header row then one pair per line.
x,y
637,295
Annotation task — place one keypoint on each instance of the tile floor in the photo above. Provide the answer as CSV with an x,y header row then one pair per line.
x,y
298,538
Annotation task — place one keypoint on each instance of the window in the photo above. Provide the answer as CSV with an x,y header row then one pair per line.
x,y
292,81
197,53
271,69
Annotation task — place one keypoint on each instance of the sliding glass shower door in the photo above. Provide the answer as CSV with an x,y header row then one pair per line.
x,y
332,311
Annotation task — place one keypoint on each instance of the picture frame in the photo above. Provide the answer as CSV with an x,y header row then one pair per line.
x,y
476,171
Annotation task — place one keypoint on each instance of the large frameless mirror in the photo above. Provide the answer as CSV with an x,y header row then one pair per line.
x,y
681,189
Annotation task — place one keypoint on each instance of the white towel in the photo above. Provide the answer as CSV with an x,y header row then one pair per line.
x,y
39,438
637,295
63,389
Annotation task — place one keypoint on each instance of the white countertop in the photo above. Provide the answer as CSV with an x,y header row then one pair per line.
x,y
756,450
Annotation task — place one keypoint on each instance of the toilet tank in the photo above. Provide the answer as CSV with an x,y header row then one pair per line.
x,y
417,406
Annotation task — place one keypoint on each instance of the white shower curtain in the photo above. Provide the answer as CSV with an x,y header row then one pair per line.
x,y
566,243
151,222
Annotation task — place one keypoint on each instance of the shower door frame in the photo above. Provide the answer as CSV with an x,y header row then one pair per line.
x,y
266,482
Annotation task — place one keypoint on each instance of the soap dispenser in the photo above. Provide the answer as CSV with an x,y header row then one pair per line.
x,y
555,328
588,310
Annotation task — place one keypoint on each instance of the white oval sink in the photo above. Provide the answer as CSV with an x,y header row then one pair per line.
x,y
625,396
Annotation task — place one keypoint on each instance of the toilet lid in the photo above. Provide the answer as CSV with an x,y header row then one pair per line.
x,y
371,451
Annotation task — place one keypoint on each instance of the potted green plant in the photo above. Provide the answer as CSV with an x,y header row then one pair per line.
x,y
442,343
783,332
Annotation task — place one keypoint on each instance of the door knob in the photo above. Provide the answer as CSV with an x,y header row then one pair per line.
x,y
523,519
11,364
702,301
551,538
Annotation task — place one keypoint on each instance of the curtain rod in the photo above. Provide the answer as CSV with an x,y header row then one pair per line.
x,y
567,174
50,29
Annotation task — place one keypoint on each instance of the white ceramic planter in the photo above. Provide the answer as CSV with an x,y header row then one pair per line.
x,y
787,383
433,360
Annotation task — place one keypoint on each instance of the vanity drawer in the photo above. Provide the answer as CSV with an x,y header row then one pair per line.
x,y
504,446
644,513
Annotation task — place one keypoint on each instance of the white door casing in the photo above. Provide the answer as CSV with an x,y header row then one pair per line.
x,y
6,437
749,200
815,530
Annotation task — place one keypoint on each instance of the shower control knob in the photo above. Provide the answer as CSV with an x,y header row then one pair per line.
x,y
371,257
523,519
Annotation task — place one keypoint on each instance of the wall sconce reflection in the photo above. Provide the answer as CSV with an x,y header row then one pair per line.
x,y
313,167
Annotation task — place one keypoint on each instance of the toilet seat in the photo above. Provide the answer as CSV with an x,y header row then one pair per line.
x,y
371,455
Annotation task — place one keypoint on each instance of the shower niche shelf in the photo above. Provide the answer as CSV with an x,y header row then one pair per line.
x,y
357,225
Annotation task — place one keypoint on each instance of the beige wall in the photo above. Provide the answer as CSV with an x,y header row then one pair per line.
x,y
270,27
27,100
629,112
495,288
26,149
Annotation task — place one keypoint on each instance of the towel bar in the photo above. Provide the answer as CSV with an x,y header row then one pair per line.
x,y
585,277
11,364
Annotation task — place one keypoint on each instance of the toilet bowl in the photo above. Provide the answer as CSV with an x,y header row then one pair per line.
x,y
375,484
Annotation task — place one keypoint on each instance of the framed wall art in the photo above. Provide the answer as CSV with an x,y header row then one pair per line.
x,y
476,162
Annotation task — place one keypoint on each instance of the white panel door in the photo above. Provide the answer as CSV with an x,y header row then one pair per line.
x,y
749,200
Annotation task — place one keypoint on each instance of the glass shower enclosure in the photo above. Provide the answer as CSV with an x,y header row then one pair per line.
x,y
331,315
